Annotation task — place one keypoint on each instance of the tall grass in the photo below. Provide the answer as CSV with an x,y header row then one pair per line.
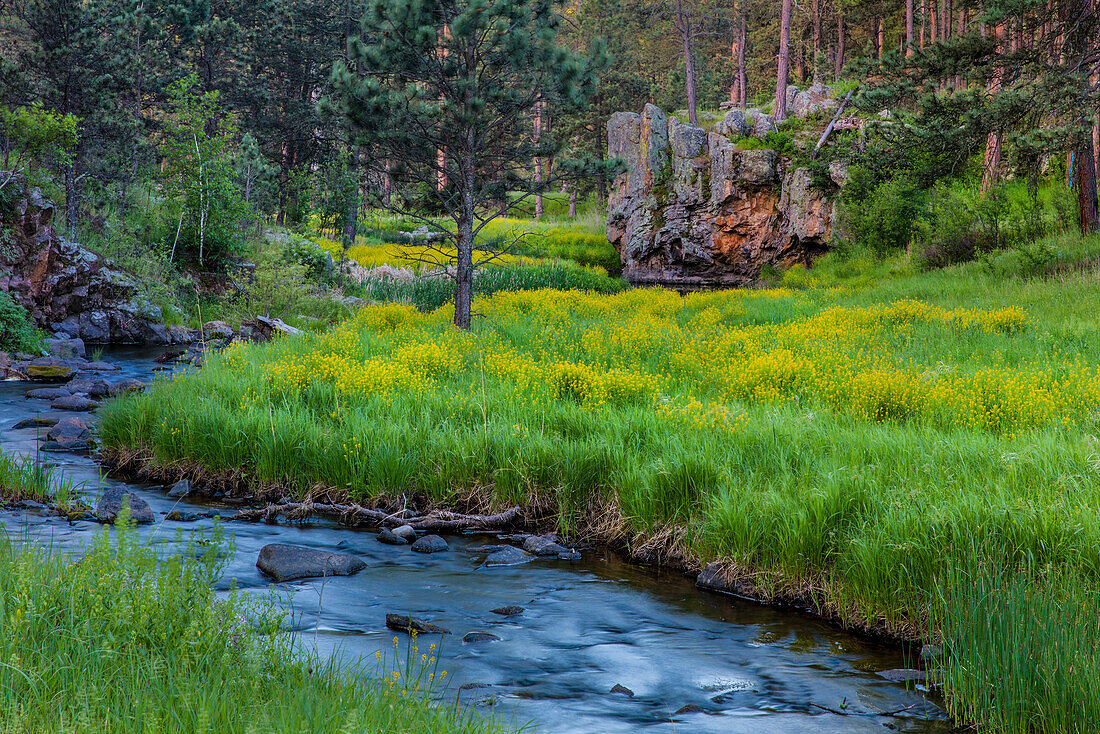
x,y
860,443
121,641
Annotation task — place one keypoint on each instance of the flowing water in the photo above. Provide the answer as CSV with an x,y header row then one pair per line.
x,y
586,626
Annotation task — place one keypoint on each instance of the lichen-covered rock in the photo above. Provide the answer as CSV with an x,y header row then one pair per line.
x,y
694,209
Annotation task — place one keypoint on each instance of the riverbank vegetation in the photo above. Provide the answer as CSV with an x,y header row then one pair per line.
x,y
861,439
119,640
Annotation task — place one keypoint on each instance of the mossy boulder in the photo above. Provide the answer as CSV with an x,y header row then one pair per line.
x,y
50,373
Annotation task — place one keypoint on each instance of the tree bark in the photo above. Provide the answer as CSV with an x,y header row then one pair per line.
x,y
1088,209
742,69
908,28
933,21
351,216
72,197
784,59
683,22
840,38
573,200
815,21
880,33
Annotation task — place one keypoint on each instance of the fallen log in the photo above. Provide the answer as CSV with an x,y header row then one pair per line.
x,y
437,521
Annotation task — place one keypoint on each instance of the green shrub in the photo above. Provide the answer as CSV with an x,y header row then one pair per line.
x,y
16,332
880,219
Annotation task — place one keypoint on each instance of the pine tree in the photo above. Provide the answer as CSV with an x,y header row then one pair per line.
x,y
447,92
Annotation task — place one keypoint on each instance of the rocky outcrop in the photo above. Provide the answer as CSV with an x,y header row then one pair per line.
x,y
694,208
67,289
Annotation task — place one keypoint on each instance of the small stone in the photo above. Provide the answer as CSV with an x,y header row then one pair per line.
x,y
68,445
92,387
480,637
407,624
288,562
691,708
74,403
621,690
408,532
72,427
50,373
387,536
430,544
35,423
904,675
217,330
100,366
508,556
110,504
184,516
180,489
508,611
569,555
48,393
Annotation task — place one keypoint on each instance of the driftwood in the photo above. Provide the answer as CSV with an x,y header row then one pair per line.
x,y
438,521
832,124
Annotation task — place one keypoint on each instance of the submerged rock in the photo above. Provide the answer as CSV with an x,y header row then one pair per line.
x,y
407,624
544,545
35,423
508,611
184,516
127,385
508,556
477,636
621,690
288,562
48,393
110,504
691,708
430,544
904,675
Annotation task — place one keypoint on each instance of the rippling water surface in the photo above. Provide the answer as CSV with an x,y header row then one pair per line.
x,y
586,626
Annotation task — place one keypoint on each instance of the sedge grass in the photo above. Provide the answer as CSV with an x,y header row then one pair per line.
x,y
121,641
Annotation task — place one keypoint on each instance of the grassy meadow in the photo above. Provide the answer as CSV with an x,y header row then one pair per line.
x,y
908,451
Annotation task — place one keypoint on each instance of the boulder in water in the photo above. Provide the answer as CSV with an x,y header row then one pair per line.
x,y
74,403
110,504
288,562
407,624
508,556
430,544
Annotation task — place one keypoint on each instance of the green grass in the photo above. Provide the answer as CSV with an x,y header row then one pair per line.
x,y
879,461
118,640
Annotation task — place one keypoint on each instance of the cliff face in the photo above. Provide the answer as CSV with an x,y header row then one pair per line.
x,y
694,210
66,288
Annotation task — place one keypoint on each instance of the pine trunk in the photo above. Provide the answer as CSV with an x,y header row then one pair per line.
x,y
784,59
1088,214
840,38
815,15
908,28
351,215
684,24
742,72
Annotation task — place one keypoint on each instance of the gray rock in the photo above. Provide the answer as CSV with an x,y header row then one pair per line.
x,y
180,489
74,403
508,611
690,708
69,428
620,690
569,555
734,125
508,556
407,624
48,393
100,366
930,652
387,536
89,386
66,348
544,545
408,532
430,544
68,445
288,562
477,636
904,675
50,373
217,330
110,504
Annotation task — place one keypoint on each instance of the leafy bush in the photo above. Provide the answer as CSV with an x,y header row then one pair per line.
x,y
879,218
16,332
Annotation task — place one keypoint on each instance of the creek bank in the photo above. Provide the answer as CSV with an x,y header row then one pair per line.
x,y
663,551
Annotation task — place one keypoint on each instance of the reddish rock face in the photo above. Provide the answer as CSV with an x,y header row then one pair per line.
x,y
64,286
692,209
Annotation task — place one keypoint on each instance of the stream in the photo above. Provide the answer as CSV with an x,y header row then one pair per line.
x,y
586,626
